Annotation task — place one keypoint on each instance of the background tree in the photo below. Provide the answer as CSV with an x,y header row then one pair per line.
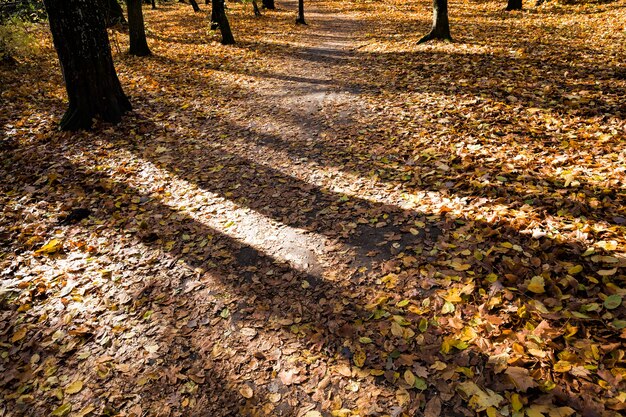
x,y
82,44
136,29
219,20
441,25
114,14
514,5
300,19
193,3
268,4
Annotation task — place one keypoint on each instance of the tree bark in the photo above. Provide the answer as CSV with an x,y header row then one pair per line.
x,y
441,25
514,5
255,6
153,3
82,44
195,6
114,14
269,4
300,19
219,20
136,28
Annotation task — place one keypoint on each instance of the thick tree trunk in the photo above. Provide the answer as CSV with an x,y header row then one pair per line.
x,y
114,14
269,4
219,20
82,43
514,5
255,6
300,19
441,25
136,28
195,6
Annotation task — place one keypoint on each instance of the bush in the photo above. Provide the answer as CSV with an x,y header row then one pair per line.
x,y
31,10
17,39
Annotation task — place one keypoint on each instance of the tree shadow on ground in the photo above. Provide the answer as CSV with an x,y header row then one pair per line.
x,y
327,313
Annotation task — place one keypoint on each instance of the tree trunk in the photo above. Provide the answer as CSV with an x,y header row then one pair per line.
x,y
136,28
219,20
114,14
269,4
255,6
195,6
300,19
153,2
441,25
82,44
514,5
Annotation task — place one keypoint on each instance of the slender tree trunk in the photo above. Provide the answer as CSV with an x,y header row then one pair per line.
x,y
219,20
153,2
441,25
255,6
195,6
114,14
300,19
514,5
269,4
136,28
82,44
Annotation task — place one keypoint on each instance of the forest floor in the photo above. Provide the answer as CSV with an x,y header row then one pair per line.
x,y
324,220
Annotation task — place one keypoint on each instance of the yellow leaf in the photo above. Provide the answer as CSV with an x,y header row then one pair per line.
x,y
516,402
19,335
274,397
562,366
453,296
609,245
409,377
74,387
397,330
535,411
85,411
561,412
313,413
359,358
403,396
246,391
62,410
575,270
537,285
54,245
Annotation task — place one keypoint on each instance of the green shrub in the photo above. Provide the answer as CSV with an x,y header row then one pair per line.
x,y
17,38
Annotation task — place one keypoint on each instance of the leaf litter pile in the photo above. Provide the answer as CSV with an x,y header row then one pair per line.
x,y
326,220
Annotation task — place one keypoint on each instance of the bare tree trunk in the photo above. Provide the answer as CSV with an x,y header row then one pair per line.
x,y
82,44
300,19
269,4
114,14
219,20
195,6
441,25
514,5
255,6
136,28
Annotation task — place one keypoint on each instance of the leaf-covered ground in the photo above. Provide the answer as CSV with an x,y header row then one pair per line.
x,y
324,220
